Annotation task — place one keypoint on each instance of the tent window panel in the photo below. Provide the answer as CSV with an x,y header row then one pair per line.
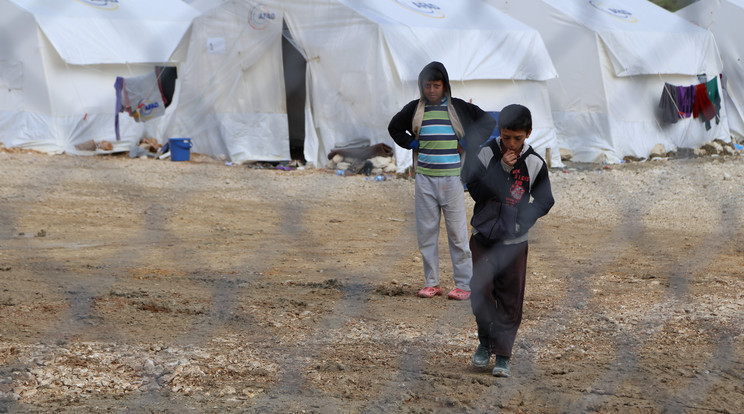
x,y
11,75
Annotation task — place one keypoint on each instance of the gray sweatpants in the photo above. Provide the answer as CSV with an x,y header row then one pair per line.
x,y
434,196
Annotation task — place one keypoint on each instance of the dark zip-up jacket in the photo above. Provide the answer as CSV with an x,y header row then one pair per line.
x,y
526,186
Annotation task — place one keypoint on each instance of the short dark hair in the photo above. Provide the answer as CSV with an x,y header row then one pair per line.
x,y
429,74
516,118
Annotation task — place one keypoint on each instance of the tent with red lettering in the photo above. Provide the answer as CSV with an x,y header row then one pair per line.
x,y
724,19
613,58
363,60
59,61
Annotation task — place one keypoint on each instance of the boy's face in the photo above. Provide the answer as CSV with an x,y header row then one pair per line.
x,y
512,140
434,91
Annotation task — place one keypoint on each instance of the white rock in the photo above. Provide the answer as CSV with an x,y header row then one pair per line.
x,y
380,162
658,151
729,151
149,366
566,154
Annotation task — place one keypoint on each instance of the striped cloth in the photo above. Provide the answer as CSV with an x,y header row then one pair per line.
x,y
438,154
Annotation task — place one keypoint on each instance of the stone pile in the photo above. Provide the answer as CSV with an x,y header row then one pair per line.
x,y
372,166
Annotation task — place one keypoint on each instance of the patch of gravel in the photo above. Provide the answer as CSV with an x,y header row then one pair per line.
x,y
695,194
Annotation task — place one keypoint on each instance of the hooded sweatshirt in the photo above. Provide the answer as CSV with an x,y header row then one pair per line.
x,y
472,126
435,123
419,115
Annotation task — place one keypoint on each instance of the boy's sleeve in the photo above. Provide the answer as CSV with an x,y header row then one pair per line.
x,y
481,127
542,201
400,126
473,173
482,183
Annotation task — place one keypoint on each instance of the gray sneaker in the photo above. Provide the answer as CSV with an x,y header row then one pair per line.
x,y
501,367
482,357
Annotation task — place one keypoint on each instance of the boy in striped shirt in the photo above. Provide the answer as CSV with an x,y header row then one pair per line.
x,y
439,128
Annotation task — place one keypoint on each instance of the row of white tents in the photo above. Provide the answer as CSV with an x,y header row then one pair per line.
x,y
591,71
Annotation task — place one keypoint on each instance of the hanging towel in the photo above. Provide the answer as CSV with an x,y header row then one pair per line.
x,y
140,97
715,98
685,98
702,106
668,104
145,97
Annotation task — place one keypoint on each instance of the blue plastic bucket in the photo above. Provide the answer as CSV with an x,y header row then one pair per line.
x,y
180,149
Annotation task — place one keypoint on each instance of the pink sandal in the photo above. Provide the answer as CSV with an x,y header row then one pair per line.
x,y
459,294
430,292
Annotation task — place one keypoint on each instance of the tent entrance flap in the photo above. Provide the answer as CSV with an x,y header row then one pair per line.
x,y
295,67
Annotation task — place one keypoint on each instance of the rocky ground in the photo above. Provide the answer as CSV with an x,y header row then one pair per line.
x,y
136,285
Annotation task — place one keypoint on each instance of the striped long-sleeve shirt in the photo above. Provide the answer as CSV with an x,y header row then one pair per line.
x,y
438,154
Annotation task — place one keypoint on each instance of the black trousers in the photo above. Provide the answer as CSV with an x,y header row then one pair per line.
x,y
497,292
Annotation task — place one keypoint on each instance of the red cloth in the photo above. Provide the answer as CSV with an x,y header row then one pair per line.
x,y
702,106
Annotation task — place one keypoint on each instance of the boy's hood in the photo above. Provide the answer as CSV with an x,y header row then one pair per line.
x,y
440,67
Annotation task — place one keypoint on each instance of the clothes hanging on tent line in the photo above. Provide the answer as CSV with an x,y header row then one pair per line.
x,y
670,105
144,97
699,101
707,102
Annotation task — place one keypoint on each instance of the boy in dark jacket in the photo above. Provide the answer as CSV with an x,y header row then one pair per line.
x,y
438,127
511,188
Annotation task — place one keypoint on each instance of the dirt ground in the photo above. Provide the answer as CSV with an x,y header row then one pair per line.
x,y
141,285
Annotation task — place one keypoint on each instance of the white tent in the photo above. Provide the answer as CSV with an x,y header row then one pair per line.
x,y
363,60
59,60
613,57
232,100
724,18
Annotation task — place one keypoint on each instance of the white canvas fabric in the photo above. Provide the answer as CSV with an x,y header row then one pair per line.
x,y
613,58
60,59
88,32
364,57
232,98
724,19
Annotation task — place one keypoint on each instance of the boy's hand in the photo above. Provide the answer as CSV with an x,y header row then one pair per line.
x,y
510,158
414,144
